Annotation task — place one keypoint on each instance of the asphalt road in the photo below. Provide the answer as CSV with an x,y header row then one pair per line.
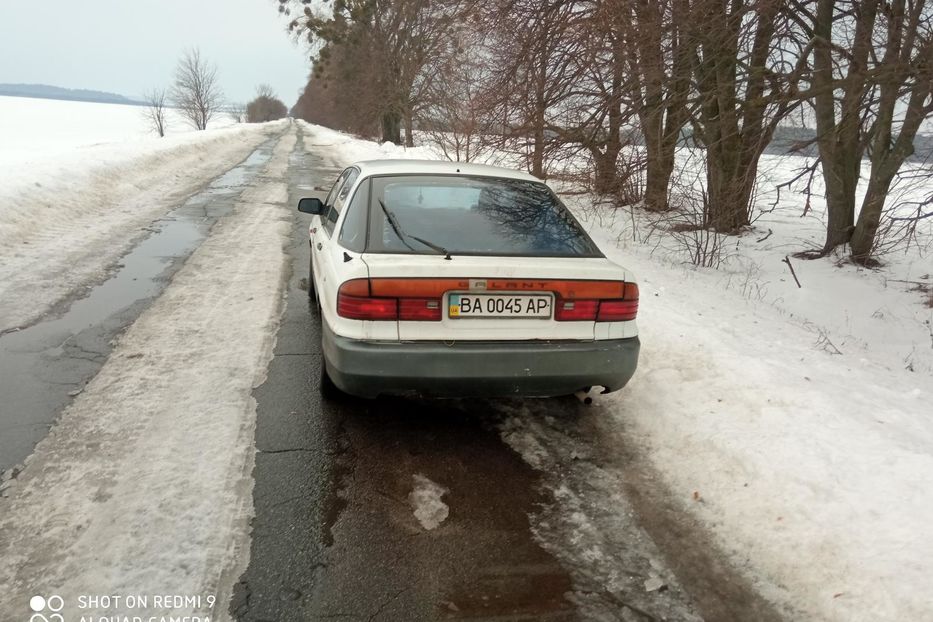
x,y
334,534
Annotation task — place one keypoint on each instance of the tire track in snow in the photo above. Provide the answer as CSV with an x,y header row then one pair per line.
x,y
143,486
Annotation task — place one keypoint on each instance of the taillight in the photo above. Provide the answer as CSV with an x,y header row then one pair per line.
x,y
603,310
355,301
617,310
576,310
365,308
622,310
419,309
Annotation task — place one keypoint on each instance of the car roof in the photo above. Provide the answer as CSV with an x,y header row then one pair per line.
x,y
438,167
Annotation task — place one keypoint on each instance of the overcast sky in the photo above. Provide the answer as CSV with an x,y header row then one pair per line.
x,y
127,46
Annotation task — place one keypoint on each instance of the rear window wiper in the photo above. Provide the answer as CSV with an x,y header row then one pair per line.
x,y
397,228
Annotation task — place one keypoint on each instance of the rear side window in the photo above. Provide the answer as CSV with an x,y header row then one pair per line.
x,y
473,216
332,195
338,196
353,230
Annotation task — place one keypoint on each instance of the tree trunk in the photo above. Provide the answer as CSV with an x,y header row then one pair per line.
x,y
537,153
409,129
392,127
659,154
730,183
840,142
863,237
540,107
840,181
606,180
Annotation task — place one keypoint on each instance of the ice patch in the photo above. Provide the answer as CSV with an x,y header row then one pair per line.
x,y
426,502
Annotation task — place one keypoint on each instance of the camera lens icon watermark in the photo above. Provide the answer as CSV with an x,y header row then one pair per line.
x,y
41,606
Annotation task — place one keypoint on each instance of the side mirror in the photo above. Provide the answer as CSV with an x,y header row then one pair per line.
x,y
311,205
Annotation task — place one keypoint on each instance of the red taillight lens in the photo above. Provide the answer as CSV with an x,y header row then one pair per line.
x,y
356,301
617,310
620,310
603,310
365,308
419,309
575,310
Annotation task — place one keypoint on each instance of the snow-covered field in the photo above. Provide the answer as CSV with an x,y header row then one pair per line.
x,y
795,423
33,129
76,208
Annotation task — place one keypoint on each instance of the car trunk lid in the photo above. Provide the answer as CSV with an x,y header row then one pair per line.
x,y
512,283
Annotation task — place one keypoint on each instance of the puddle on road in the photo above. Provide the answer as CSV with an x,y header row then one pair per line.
x,y
301,162
43,366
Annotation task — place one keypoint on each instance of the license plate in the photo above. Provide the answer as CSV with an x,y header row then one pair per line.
x,y
498,306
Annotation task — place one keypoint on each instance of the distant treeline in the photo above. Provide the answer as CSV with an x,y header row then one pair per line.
x,y
44,91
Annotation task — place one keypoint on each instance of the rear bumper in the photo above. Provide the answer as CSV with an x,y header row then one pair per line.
x,y
470,369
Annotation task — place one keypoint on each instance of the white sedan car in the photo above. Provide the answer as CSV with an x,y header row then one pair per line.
x,y
448,279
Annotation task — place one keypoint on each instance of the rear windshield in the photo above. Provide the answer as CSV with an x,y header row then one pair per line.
x,y
472,216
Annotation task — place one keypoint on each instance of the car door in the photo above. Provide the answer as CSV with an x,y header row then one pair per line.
x,y
325,248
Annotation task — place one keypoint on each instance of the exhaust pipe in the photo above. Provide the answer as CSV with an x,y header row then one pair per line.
x,y
584,396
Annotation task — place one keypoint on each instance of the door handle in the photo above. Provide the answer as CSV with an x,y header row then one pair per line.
x,y
319,246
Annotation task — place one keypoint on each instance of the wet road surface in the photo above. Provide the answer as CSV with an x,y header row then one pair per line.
x,y
335,536
45,365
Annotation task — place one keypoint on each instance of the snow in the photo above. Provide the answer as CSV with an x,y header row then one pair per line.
x,y
426,503
793,424
34,129
67,215
811,465
341,149
593,530
143,486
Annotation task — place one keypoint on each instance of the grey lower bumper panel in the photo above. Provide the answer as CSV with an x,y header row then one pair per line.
x,y
470,369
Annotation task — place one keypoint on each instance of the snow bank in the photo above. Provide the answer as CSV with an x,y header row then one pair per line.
x,y
341,149
143,486
806,438
68,217
344,149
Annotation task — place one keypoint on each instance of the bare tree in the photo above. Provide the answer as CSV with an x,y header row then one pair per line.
x,y
748,63
264,90
383,46
658,51
237,112
196,91
155,110
533,50
457,119
266,106
870,93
